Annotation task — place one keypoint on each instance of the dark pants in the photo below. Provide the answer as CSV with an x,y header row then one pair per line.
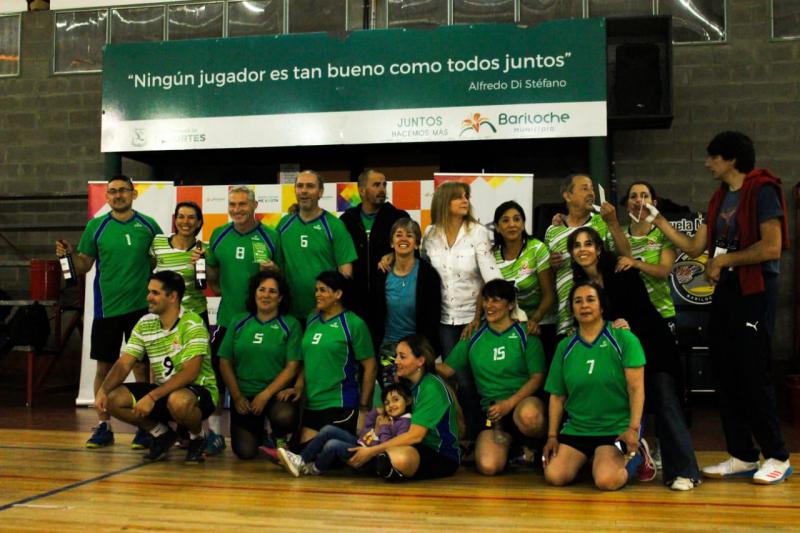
x,y
677,450
466,393
741,347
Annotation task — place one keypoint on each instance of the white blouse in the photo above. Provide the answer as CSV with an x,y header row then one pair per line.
x,y
464,268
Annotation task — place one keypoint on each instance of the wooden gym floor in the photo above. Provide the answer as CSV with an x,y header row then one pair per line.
x,y
50,482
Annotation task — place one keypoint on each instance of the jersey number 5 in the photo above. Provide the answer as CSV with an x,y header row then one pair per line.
x,y
258,338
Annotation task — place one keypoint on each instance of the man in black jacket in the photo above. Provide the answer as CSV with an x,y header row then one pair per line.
x,y
369,224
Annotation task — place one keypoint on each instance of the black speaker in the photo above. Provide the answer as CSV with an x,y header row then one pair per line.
x,y
639,61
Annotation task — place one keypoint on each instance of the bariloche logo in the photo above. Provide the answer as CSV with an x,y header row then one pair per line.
x,y
139,139
475,123
688,280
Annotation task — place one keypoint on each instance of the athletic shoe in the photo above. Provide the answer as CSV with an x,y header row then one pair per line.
x,y
292,462
183,437
733,467
655,453
773,471
270,453
101,436
647,469
683,483
141,441
160,446
215,443
194,452
310,469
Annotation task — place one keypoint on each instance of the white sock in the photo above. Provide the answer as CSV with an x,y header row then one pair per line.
x,y
106,422
215,423
159,430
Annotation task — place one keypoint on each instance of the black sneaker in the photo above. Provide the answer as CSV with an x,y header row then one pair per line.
x,y
194,452
160,446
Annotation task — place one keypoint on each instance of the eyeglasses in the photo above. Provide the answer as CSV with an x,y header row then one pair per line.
x,y
114,192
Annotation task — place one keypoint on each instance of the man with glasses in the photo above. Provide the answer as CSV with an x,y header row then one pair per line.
x,y
117,243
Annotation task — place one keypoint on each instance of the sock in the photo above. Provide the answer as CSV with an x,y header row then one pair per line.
x,y
159,430
106,422
215,423
195,436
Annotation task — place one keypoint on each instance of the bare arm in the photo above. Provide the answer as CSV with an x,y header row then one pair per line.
x,y
694,246
609,214
661,270
116,376
634,378
362,455
368,383
83,263
554,415
502,408
547,284
346,270
212,276
445,370
240,403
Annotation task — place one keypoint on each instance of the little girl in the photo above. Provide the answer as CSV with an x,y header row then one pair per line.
x,y
333,443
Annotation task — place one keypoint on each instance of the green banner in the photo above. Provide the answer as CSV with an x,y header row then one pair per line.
x,y
187,94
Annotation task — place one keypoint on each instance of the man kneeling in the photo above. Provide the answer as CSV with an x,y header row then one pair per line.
x,y
184,390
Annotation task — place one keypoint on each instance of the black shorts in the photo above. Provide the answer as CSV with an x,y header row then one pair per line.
x,y
587,445
216,342
160,412
342,418
432,464
109,333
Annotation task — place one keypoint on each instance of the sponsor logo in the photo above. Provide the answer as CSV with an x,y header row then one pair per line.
x,y
688,281
513,336
603,344
139,138
475,123
419,126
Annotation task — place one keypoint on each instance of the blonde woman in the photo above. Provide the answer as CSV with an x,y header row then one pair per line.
x,y
460,250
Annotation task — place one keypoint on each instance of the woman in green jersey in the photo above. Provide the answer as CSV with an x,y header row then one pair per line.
x,y
429,449
259,358
652,253
508,365
335,343
597,376
174,252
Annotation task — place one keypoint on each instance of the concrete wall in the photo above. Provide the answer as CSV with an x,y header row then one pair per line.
x,y
50,130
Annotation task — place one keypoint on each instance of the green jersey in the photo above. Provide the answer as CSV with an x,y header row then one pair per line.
x,y
237,256
592,377
435,410
311,248
122,261
524,272
556,240
259,350
647,248
331,350
169,350
180,261
501,362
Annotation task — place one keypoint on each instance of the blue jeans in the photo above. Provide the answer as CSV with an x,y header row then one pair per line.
x,y
330,444
677,450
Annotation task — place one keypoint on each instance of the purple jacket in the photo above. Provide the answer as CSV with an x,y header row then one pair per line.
x,y
369,437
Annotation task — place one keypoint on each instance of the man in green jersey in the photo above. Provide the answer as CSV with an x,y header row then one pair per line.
x,y
175,341
236,251
578,194
117,244
313,241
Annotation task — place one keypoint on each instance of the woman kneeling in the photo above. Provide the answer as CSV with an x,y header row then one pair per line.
x,y
597,376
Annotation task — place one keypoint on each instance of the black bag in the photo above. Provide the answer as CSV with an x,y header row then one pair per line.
x,y
29,326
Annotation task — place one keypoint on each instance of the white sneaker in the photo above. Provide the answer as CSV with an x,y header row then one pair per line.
x,y
310,469
773,471
683,483
733,467
291,462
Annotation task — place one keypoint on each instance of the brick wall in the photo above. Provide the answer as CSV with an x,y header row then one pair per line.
x,y
50,128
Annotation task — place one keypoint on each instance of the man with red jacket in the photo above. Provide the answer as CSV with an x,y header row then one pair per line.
x,y
746,232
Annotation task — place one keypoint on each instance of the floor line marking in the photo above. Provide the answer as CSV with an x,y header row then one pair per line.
x,y
70,486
